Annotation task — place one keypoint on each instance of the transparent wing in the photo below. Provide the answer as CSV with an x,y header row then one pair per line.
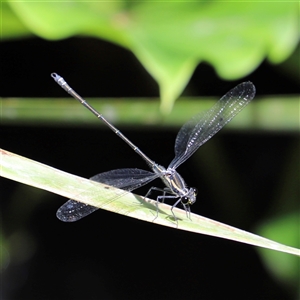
x,y
127,179
204,126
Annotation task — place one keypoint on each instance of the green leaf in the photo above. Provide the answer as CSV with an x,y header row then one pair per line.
x,y
171,38
109,198
286,228
11,25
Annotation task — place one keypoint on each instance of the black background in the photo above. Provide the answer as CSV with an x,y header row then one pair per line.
x,y
109,256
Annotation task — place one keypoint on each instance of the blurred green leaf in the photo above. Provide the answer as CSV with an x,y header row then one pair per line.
x,y
285,268
283,223
12,26
172,38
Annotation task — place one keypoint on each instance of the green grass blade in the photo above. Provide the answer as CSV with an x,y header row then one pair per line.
x,y
35,174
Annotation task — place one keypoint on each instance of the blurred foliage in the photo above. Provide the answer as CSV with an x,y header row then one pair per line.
x,y
169,38
272,113
283,224
285,268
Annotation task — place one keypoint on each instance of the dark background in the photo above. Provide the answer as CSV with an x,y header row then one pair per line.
x,y
109,256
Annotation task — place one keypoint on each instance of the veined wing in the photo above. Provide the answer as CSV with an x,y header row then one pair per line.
x,y
204,126
126,179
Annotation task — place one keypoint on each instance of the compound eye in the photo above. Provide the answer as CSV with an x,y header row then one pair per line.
x,y
195,191
185,200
